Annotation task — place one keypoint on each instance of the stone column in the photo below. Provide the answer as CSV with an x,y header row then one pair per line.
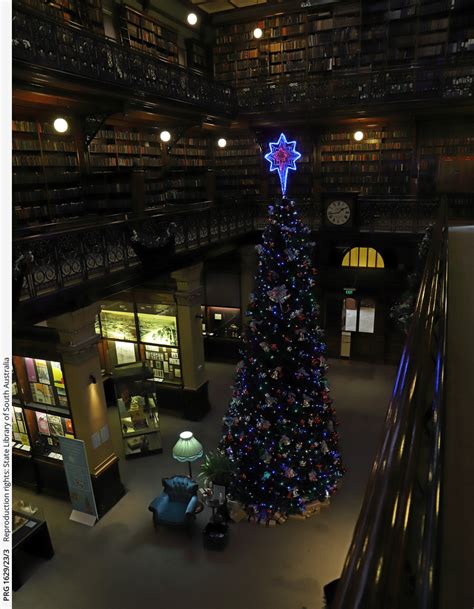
x,y
81,366
188,298
248,269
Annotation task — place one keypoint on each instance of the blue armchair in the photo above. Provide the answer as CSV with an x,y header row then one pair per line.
x,y
177,504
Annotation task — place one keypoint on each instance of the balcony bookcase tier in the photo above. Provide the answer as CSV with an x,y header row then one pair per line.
x,y
446,141
198,55
114,153
46,177
239,168
87,13
380,164
346,36
188,164
143,33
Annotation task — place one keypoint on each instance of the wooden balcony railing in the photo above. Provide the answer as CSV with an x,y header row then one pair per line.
x,y
393,560
51,261
73,50
413,83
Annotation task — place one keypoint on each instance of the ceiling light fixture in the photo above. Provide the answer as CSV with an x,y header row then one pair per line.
x,y
192,18
61,125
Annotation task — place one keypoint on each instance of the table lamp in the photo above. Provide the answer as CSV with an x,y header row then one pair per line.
x,y
187,448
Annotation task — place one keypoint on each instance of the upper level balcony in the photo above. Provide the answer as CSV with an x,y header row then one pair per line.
x,y
42,43
51,46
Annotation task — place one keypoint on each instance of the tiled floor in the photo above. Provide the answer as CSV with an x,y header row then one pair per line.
x,y
122,563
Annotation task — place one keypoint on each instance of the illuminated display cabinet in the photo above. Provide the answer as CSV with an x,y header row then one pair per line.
x,y
40,407
134,332
138,413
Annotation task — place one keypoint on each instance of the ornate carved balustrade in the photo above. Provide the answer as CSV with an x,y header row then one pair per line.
x,y
50,44
449,81
402,214
59,260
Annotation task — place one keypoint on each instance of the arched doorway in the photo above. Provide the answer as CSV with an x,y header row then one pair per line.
x,y
362,320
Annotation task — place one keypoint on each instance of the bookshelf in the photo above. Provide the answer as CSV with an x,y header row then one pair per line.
x,y
45,175
372,34
380,164
198,55
144,33
188,164
447,140
114,153
87,13
239,168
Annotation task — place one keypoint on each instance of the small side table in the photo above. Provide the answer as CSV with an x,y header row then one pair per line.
x,y
213,504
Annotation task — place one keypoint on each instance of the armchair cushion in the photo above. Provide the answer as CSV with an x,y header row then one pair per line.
x,y
180,488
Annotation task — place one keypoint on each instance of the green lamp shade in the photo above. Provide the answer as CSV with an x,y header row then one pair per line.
x,y
187,448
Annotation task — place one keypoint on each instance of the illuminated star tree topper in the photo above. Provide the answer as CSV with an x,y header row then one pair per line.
x,y
282,156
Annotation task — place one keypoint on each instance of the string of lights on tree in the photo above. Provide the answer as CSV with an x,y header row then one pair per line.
x,y
280,427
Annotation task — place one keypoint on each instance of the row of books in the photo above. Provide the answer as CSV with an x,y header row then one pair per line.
x,y
46,146
147,24
38,161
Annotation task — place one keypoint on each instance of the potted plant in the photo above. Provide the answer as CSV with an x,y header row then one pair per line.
x,y
216,469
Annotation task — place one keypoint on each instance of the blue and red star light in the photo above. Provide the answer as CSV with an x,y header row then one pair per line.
x,y
282,157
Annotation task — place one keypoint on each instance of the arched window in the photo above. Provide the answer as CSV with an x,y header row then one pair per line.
x,y
363,257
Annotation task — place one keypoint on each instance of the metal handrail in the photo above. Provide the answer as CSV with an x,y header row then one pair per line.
x,y
393,558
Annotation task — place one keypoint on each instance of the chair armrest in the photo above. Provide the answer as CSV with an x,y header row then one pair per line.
x,y
159,503
192,505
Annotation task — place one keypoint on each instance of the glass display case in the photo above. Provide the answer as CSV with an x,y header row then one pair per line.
x,y
164,362
139,419
223,322
22,512
42,381
117,321
45,430
20,440
157,324
141,332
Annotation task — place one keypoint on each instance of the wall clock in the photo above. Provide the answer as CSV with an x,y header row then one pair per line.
x,y
339,210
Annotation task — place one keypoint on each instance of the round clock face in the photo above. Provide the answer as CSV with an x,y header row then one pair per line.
x,y
338,212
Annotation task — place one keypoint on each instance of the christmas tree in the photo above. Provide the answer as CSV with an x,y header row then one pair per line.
x,y
280,428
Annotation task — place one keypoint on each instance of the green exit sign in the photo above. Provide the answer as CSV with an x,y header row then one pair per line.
x,y
349,291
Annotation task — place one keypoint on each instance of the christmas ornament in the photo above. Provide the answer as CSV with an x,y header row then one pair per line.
x,y
278,294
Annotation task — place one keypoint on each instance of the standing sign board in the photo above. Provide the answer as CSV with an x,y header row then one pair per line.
x,y
79,481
